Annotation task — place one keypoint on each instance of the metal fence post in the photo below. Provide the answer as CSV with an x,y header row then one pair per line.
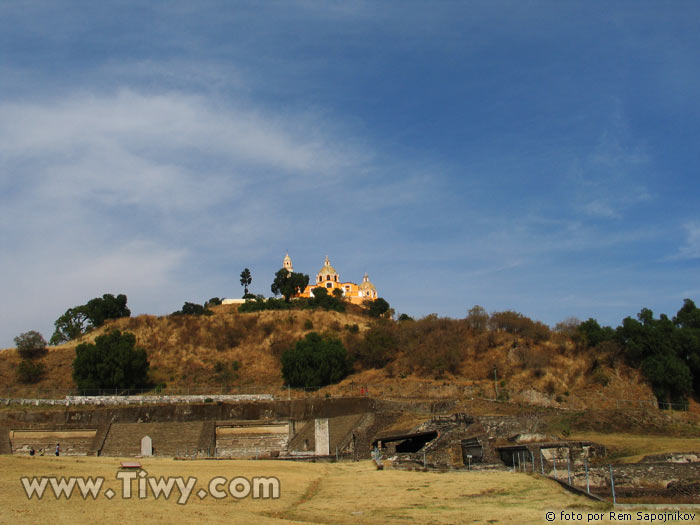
x,y
588,485
568,467
554,464
612,486
542,461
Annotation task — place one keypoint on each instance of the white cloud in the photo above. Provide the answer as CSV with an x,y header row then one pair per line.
x,y
145,193
691,247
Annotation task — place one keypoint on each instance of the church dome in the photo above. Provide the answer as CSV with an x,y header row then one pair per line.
x,y
366,285
327,274
327,269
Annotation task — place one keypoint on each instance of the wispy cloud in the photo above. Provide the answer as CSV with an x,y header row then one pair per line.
x,y
610,179
691,248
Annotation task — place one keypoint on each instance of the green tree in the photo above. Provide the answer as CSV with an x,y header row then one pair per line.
x,y
376,308
246,279
193,309
78,320
667,351
688,316
214,301
670,377
99,309
289,283
321,299
320,292
315,361
30,344
71,325
112,362
592,334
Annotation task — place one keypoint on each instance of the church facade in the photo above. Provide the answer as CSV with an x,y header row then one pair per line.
x,y
329,278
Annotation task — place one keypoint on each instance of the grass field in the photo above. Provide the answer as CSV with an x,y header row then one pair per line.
x,y
310,493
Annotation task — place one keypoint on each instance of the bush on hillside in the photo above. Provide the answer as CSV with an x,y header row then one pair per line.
x,y
29,371
112,362
477,318
433,345
193,309
321,299
30,344
315,361
376,308
378,347
517,324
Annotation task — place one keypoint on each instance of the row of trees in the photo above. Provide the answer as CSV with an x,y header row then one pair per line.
x,y
112,361
666,350
79,320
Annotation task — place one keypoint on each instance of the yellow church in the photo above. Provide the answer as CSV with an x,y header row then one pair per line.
x,y
329,278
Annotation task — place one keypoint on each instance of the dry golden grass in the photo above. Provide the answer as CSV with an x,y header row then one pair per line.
x,y
310,493
631,448
185,351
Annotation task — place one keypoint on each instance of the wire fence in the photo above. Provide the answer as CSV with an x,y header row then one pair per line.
x,y
596,481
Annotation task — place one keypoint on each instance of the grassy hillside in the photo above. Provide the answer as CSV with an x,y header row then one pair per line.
x,y
431,357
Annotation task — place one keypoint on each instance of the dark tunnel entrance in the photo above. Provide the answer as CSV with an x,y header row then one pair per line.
x,y
406,443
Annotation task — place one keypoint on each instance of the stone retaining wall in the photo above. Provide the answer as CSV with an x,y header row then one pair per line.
x,y
137,400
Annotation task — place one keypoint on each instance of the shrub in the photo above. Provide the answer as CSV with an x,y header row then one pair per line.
x,y
308,325
434,345
478,318
376,308
321,299
226,373
315,361
30,344
517,324
378,347
193,309
112,362
29,371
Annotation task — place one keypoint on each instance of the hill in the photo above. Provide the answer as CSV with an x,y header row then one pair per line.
x,y
430,357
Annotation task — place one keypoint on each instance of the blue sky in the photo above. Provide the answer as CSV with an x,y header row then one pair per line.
x,y
535,156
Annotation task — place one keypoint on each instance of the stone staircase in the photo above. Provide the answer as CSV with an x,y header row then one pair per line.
x,y
169,439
